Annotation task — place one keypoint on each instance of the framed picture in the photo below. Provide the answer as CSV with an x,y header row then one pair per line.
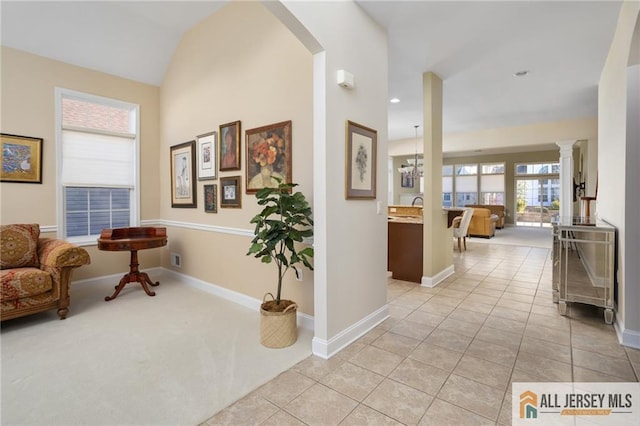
x,y
21,159
406,180
361,161
230,146
183,175
268,156
207,153
211,198
230,195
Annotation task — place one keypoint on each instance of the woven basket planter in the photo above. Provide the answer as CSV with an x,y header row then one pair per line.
x,y
279,329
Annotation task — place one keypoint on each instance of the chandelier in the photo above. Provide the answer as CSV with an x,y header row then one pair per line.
x,y
414,166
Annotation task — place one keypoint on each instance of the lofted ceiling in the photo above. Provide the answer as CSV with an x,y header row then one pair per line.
x,y
474,46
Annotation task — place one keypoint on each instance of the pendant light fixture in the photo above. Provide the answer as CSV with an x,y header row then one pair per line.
x,y
414,166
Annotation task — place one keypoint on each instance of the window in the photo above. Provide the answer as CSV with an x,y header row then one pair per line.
x,y
97,163
447,186
466,184
538,169
492,183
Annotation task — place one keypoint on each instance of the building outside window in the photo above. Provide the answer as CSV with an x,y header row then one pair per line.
x,y
98,146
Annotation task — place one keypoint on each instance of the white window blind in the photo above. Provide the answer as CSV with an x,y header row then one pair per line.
x,y
447,184
93,159
466,183
492,183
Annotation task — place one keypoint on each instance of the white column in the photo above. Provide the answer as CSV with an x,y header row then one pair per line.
x,y
566,178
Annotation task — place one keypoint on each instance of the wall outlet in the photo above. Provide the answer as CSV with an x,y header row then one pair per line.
x,y
176,260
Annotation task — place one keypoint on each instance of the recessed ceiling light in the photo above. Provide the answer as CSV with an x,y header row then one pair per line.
x,y
394,100
521,73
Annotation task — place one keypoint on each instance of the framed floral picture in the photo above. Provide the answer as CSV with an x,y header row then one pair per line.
x,y
207,153
268,156
230,146
211,198
21,159
361,161
230,191
183,175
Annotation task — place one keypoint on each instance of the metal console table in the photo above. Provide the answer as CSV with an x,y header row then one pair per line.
x,y
584,263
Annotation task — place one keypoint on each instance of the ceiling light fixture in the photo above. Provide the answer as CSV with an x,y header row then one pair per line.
x,y
521,73
415,164
394,100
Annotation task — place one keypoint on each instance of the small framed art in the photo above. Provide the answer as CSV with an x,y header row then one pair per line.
x,y
230,146
230,192
268,156
361,161
21,159
207,153
211,198
183,175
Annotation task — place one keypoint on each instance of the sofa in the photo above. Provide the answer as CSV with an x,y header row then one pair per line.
x,y
35,272
483,223
495,209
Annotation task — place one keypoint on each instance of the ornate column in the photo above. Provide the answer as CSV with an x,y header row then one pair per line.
x,y
566,177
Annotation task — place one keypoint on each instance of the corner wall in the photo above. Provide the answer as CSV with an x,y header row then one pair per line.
x,y
240,63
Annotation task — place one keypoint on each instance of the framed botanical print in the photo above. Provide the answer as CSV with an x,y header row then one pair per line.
x,y
21,159
230,192
268,156
361,160
230,146
211,198
207,153
183,175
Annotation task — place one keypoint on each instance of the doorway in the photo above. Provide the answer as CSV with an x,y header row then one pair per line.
x,y
537,200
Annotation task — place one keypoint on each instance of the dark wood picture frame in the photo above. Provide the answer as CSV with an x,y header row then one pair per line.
x,y
231,191
230,146
361,161
21,159
210,198
268,156
207,156
183,175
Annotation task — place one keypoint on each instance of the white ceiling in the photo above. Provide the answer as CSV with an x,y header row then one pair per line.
x,y
475,47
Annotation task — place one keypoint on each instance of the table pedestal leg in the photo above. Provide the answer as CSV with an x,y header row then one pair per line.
x,y
134,275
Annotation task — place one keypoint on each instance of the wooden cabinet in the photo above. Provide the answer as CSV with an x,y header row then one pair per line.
x,y
404,254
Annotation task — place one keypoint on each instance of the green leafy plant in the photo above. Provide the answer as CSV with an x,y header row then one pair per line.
x,y
284,221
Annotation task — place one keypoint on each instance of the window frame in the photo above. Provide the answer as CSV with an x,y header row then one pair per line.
x,y
134,195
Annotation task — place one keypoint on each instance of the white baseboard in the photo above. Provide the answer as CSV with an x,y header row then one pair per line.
x,y
327,348
438,278
626,337
304,320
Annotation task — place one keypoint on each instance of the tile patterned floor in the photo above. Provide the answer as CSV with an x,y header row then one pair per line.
x,y
490,324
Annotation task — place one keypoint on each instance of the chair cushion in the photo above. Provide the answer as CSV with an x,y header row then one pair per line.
x,y
19,245
24,282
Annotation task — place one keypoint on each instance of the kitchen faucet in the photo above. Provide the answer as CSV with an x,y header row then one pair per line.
x,y
416,199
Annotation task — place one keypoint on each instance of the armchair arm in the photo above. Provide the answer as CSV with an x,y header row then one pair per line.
x,y
59,254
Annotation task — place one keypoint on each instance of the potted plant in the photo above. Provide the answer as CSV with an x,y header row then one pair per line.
x,y
282,224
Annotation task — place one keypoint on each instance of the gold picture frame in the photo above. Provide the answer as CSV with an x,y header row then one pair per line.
x,y
21,159
268,156
231,191
361,161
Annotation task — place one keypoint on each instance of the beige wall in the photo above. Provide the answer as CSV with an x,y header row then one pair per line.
x,y
28,108
242,64
613,163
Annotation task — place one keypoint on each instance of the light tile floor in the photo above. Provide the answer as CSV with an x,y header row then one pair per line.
x,y
491,324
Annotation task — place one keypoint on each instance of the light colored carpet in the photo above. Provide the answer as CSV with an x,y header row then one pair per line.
x,y
518,236
173,359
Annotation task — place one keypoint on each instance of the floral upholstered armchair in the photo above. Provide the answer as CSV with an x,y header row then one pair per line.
x,y
36,272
